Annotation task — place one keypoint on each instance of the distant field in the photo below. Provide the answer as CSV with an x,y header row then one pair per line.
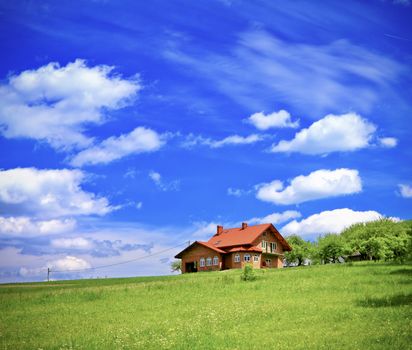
x,y
363,306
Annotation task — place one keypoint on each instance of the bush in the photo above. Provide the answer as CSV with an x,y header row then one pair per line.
x,y
248,274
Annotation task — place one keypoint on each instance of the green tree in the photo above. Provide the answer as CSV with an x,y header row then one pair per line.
x,y
382,239
375,248
301,250
176,266
330,247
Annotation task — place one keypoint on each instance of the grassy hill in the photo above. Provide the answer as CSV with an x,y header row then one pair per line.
x,y
359,306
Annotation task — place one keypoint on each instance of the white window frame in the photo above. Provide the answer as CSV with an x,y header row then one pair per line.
x,y
256,258
209,261
246,257
268,262
273,246
215,261
237,258
202,262
264,244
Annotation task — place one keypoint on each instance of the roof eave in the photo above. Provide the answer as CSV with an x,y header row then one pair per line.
x,y
216,249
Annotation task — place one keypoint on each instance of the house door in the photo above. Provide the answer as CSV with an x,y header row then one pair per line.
x,y
190,267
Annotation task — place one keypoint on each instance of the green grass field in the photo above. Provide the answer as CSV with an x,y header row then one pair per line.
x,y
359,306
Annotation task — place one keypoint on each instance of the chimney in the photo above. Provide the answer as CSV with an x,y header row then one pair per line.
x,y
219,229
244,225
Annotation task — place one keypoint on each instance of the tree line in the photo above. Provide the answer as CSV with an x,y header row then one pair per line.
x,y
383,239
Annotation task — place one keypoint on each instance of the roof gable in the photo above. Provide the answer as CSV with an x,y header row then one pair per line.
x,y
238,236
235,237
245,236
204,244
280,238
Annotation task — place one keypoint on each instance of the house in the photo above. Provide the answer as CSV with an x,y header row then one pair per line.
x,y
260,245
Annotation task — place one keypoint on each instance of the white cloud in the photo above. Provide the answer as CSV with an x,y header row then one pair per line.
x,y
333,133
113,242
25,226
54,103
318,184
157,179
138,141
280,119
405,190
70,263
275,218
155,176
236,192
388,142
66,264
236,140
193,140
330,221
312,77
204,230
35,271
48,193
131,173
72,243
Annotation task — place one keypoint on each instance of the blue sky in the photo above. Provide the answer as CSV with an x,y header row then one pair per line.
x,y
128,128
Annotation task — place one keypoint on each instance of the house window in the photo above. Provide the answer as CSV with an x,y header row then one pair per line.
x,y
272,247
209,262
264,244
268,261
215,260
202,262
237,258
256,257
247,257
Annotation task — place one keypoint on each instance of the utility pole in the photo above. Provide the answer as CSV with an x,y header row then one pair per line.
x,y
48,274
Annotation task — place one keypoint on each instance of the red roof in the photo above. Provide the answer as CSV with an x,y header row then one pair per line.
x,y
205,244
246,236
239,239
244,249
208,245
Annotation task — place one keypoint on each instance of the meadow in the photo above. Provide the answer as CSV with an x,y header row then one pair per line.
x,y
344,306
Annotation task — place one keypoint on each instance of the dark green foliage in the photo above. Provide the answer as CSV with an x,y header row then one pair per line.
x,y
247,273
